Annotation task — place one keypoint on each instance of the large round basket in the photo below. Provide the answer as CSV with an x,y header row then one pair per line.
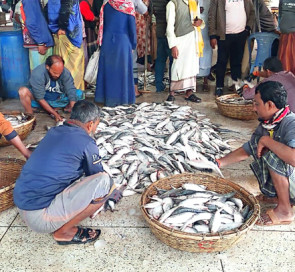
x,y
9,172
22,130
197,242
242,112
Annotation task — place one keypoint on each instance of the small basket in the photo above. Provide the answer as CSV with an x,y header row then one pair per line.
x,y
200,242
242,112
22,130
9,172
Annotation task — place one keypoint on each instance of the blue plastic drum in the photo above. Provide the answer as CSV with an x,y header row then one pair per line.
x,y
14,63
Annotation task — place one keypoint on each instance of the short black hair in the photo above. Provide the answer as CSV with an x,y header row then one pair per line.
x,y
272,91
53,59
273,64
85,111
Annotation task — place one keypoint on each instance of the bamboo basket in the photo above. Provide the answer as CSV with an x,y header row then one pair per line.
x,y
22,130
9,172
200,242
242,112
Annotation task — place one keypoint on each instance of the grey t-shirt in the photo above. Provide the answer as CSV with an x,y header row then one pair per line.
x,y
287,16
139,6
284,133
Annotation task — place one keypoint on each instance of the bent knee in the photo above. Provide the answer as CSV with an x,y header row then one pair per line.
x,y
24,91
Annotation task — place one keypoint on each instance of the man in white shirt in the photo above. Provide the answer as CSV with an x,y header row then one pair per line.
x,y
230,23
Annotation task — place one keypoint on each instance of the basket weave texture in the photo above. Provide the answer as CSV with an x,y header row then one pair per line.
x,y
200,242
242,112
22,130
9,172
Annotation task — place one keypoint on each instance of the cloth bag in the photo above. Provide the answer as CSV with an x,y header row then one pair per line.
x,y
92,68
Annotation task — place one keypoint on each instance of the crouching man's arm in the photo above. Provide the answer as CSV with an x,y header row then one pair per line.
x,y
236,156
284,152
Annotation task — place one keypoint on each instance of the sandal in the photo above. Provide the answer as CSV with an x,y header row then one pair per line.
x,y
170,98
193,98
271,219
139,95
81,237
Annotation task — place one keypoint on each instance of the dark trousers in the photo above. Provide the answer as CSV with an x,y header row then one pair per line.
x,y
163,52
233,48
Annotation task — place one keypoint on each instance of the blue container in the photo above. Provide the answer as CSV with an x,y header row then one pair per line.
x,y
14,63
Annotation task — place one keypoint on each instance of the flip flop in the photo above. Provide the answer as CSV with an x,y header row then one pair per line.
x,y
272,219
193,98
81,237
170,98
139,95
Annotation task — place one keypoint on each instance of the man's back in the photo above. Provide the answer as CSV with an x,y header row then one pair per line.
x,y
62,157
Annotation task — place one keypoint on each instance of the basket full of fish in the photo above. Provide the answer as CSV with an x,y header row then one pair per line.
x,y
234,106
199,212
22,124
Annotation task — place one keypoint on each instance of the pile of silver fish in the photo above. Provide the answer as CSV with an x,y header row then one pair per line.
x,y
235,100
194,209
16,120
140,144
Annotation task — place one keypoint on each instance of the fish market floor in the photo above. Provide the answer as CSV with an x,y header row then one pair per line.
x,y
126,242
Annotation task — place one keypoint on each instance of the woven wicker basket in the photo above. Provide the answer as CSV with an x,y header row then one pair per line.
x,y
9,172
196,242
242,112
22,130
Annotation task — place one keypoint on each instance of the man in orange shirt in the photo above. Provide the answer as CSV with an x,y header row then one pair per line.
x,y
10,134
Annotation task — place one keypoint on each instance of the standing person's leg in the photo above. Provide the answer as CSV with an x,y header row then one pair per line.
x,y
237,45
135,73
222,57
160,64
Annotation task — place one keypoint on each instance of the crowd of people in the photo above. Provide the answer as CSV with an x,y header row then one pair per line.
x,y
62,35
186,32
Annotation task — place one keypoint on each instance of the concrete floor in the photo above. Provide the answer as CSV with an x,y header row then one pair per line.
x,y
127,242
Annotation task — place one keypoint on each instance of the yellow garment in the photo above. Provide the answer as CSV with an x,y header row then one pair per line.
x,y
193,8
73,57
271,133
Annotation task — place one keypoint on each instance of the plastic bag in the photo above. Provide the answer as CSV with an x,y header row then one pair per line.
x,y
92,68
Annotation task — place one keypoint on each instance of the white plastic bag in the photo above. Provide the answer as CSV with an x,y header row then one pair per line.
x,y
92,68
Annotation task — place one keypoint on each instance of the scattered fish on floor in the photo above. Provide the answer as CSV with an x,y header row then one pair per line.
x,y
140,144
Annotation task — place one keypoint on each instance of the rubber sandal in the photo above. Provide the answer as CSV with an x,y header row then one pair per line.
x,y
272,219
193,98
81,237
170,98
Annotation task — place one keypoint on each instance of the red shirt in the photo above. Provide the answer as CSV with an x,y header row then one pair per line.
x,y
86,11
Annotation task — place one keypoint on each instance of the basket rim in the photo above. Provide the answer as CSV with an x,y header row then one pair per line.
x,y
31,118
207,236
218,101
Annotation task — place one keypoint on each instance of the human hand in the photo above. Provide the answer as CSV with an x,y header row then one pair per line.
x,y
174,52
61,32
197,22
213,43
42,49
116,194
27,154
58,118
261,147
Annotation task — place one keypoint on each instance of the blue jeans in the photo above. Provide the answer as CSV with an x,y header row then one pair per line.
x,y
163,52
